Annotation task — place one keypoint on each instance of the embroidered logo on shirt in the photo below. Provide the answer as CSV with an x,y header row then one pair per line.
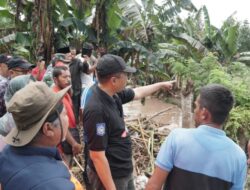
x,y
100,129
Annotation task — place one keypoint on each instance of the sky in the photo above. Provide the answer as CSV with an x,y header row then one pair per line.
x,y
220,10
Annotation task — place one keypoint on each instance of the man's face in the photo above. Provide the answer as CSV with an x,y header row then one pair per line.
x,y
40,64
64,122
73,53
121,81
63,80
4,69
68,56
197,112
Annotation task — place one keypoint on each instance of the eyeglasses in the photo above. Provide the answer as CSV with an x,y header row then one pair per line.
x,y
22,71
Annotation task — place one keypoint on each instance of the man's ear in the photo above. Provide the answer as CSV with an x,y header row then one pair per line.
x,y
11,72
205,115
55,80
47,129
113,80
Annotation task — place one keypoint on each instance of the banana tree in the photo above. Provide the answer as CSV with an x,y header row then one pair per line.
x,y
143,24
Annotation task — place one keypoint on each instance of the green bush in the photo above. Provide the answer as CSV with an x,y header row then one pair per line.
x,y
239,122
235,76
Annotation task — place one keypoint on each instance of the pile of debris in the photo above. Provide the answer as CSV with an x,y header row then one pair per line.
x,y
147,136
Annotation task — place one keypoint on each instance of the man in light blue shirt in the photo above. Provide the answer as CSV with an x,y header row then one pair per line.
x,y
203,157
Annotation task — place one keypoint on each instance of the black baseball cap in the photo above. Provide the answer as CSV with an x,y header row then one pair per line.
x,y
110,64
4,58
19,63
63,50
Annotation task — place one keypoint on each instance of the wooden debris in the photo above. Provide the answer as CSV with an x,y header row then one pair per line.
x,y
147,137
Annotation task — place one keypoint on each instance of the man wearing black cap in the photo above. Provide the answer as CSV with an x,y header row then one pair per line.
x,y
18,66
107,139
10,68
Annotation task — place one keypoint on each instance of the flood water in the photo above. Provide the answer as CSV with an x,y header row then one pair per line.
x,y
167,115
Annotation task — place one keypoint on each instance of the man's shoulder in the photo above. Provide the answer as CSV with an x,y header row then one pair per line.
x,y
184,131
3,81
2,78
75,63
34,170
126,95
94,98
93,102
93,105
237,149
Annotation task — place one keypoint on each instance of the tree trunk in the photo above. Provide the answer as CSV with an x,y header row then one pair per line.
x,y
42,29
187,97
186,107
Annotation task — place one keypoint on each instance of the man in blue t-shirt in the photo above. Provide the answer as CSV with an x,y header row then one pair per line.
x,y
203,157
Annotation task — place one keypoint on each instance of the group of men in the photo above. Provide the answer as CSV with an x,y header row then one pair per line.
x,y
189,159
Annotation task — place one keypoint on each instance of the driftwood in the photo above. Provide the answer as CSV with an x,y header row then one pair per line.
x,y
159,113
146,141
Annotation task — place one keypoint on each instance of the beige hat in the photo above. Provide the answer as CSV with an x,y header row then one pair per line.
x,y
30,107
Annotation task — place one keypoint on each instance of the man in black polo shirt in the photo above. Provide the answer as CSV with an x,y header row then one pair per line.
x,y
107,139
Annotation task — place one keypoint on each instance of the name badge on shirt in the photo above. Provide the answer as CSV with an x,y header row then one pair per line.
x,y
100,129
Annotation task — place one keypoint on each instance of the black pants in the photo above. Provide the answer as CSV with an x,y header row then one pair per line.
x,y
123,183
76,100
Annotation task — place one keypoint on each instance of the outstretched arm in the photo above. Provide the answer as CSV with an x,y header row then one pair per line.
x,y
143,91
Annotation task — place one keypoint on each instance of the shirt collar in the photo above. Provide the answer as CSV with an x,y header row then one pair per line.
x,y
42,151
213,130
104,95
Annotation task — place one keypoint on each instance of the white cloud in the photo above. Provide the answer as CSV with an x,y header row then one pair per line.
x,y
220,10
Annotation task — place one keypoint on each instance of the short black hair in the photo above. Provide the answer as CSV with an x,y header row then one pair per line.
x,y
4,58
57,71
105,78
218,100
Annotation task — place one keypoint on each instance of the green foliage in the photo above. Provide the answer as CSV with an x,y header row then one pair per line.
x,y
19,50
244,37
237,78
114,21
198,72
238,85
239,122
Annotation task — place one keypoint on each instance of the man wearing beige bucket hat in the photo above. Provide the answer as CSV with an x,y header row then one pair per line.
x,y
31,161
